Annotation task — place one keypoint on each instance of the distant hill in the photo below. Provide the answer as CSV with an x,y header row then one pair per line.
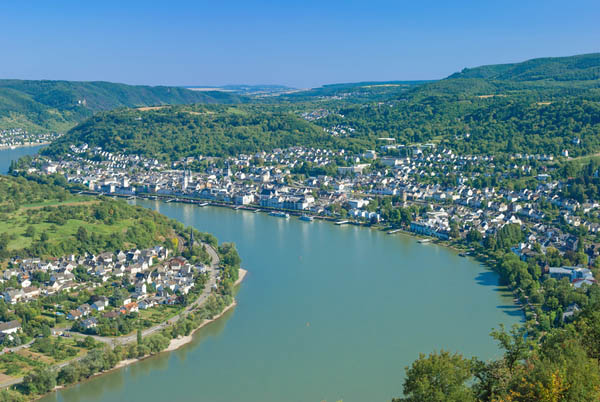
x,y
355,92
541,106
540,79
60,105
172,132
585,67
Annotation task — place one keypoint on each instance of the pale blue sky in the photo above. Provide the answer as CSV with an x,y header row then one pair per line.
x,y
301,44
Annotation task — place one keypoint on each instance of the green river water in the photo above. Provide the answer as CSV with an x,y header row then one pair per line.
x,y
326,313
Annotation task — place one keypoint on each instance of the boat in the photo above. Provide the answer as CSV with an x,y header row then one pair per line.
x,y
393,231
342,222
279,214
256,211
424,241
203,204
306,218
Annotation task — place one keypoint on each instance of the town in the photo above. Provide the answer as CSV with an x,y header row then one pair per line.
x,y
450,195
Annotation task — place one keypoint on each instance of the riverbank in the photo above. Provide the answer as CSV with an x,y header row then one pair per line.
x,y
25,145
181,341
174,344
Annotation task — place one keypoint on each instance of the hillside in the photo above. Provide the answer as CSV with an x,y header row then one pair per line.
x,y
471,112
356,92
60,105
173,132
585,67
44,220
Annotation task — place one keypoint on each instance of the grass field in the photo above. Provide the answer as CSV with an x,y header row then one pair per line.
x,y
38,216
18,364
159,314
17,224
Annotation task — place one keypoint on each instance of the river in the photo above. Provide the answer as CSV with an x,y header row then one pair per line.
x,y
326,313
8,155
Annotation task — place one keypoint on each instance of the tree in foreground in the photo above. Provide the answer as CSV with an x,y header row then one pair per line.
x,y
39,381
438,377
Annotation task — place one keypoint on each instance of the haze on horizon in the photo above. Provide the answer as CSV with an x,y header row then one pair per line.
x,y
299,44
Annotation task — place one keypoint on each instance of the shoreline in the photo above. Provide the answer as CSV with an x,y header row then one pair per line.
x,y
174,344
26,145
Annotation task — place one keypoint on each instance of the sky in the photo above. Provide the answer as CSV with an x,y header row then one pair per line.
x,y
301,44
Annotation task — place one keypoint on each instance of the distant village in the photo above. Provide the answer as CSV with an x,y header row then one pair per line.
x,y
17,137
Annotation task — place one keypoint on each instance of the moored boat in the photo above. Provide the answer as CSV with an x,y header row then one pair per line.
x,y
306,218
279,214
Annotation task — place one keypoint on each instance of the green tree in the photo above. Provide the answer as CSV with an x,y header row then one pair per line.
x,y
439,377
515,344
30,231
39,381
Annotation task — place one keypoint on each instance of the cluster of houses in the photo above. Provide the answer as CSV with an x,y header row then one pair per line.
x,y
146,269
8,329
17,137
578,276
411,173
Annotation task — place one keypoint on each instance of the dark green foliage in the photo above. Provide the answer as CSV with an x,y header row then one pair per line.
x,y
17,191
59,105
574,68
509,235
230,261
174,132
39,381
439,377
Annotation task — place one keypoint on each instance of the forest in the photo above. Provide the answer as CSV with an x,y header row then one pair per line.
x,y
42,106
543,106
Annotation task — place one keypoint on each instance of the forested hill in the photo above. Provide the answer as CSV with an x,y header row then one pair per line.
x,y
470,112
585,67
60,105
42,219
172,132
